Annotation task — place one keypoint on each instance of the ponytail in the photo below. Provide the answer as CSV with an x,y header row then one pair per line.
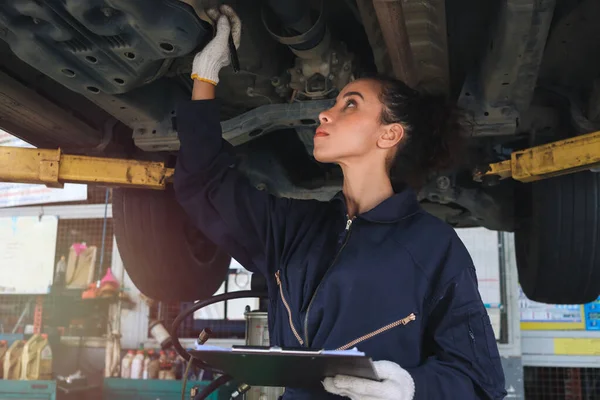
x,y
434,132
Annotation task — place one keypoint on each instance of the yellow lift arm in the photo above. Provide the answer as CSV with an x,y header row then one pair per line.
x,y
574,154
53,169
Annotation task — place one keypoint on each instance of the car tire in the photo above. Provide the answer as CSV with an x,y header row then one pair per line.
x,y
164,255
558,243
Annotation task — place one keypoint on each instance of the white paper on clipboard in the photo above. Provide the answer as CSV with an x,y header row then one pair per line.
x,y
287,367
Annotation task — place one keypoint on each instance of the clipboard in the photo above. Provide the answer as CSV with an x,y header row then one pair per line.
x,y
285,367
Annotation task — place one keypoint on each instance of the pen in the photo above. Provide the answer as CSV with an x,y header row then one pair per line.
x,y
235,62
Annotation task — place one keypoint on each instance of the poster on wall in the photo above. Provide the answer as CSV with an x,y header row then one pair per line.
x,y
27,254
541,316
592,315
20,194
482,245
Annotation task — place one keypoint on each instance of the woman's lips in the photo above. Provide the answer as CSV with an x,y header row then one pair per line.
x,y
321,133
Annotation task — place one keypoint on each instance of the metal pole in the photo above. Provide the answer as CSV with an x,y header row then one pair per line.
x,y
101,262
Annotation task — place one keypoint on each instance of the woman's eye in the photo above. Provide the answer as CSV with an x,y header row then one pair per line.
x,y
350,104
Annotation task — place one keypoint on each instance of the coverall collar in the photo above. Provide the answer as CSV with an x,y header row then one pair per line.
x,y
402,204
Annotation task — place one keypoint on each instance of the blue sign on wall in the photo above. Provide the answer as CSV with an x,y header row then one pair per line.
x,y
592,315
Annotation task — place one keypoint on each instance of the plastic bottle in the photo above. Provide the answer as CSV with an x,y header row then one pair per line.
x,y
36,363
170,367
154,367
60,272
137,365
3,350
145,372
126,365
36,360
31,359
12,360
162,365
44,359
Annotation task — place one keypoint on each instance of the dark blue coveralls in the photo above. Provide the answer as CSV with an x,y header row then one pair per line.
x,y
333,281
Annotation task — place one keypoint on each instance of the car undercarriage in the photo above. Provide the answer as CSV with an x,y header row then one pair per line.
x,y
104,77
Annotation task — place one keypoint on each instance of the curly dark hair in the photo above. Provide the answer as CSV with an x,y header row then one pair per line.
x,y
434,131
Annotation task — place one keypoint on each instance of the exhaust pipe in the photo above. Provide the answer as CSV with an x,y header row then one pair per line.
x,y
323,65
393,27
293,14
292,26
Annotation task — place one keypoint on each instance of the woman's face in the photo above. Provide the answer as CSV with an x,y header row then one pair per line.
x,y
351,129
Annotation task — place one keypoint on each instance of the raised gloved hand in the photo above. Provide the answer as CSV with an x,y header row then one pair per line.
x,y
209,61
396,384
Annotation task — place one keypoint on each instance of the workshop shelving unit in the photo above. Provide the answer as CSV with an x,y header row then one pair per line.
x,y
28,390
562,359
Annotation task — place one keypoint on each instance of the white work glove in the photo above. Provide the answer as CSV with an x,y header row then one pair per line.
x,y
396,384
209,61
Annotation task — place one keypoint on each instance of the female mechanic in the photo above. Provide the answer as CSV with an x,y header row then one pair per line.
x,y
368,269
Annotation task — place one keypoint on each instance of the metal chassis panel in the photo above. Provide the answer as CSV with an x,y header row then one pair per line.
x,y
503,87
244,127
25,112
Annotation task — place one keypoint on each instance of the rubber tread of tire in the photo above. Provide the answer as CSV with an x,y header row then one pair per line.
x,y
150,229
558,248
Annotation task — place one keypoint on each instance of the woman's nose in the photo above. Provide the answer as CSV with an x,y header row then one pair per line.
x,y
325,116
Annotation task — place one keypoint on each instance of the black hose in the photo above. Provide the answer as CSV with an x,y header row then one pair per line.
x,y
201,304
214,385
290,12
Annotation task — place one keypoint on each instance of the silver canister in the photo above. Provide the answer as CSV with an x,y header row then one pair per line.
x,y
257,334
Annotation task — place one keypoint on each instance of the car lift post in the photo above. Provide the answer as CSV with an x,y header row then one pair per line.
x,y
53,169
575,154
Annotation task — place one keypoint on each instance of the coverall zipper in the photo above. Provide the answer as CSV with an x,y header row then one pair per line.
x,y
402,321
287,307
348,229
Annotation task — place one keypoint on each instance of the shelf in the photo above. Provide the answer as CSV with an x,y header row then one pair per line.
x,y
151,389
38,390
575,349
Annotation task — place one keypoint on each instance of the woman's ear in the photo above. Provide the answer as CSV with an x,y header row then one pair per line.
x,y
391,136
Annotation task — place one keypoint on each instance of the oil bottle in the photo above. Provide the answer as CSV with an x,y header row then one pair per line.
x,y
12,360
